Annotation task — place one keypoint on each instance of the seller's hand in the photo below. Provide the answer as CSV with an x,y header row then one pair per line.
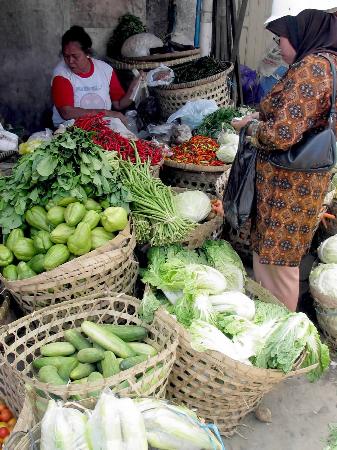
x,y
217,208
326,216
118,115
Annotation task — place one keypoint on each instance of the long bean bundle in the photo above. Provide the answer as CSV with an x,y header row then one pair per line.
x,y
153,201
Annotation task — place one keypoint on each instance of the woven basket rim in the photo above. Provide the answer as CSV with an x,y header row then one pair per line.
x,y
161,56
149,65
99,252
194,167
4,309
201,82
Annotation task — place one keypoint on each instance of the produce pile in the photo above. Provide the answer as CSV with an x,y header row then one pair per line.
x,y
323,278
220,120
112,141
152,204
102,351
7,423
125,424
199,150
58,234
204,67
71,165
204,290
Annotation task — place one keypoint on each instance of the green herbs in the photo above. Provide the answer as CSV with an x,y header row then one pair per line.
x,y
128,25
154,202
212,124
70,165
201,68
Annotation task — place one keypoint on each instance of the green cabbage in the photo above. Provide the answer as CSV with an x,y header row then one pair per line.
x,y
323,282
327,251
193,205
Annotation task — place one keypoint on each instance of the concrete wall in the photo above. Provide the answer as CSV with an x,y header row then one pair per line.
x,y
30,35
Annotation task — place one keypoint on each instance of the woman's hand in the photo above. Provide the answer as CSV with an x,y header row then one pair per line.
x,y
326,216
238,124
217,208
118,115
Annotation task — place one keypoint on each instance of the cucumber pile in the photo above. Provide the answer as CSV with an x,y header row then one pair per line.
x,y
95,352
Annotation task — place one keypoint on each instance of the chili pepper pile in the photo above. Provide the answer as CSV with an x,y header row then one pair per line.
x,y
200,150
112,141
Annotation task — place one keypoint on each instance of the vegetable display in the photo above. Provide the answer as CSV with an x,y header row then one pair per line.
x,y
84,230
198,150
203,290
125,424
193,205
95,350
153,202
112,141
70,166
221,119
128,25
204,67
327,251
7,423
322,282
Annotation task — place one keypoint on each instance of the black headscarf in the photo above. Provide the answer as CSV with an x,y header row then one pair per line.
x,y
311,31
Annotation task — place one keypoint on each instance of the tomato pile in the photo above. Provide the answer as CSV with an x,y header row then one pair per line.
x,y
7,422
199,150
112,141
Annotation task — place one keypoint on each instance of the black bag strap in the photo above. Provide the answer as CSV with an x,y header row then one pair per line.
x,y
332,114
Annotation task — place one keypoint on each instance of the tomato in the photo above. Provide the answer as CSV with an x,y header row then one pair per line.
x,y
4,432
5,415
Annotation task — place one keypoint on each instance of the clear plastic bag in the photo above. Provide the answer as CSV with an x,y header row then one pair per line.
x,y
193,112
161,76
8,141
46,135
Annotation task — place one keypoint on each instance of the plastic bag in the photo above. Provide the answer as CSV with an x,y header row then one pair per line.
x,y
239,195
118,126
193,112
161,132
8,141
180,134
149,110
162,76
250,86
46,136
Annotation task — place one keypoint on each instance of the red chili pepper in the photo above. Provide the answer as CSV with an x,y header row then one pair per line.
x,y
112,141
200,150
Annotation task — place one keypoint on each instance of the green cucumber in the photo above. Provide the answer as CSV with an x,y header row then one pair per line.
x,y
65,369
143,349
110,365
49,374
55,361
82,371
95,345
76,339
127,363
128,333
107,340
92,378
99,366
90,355
57,349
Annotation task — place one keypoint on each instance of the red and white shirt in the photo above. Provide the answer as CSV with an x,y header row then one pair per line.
x,y
95,89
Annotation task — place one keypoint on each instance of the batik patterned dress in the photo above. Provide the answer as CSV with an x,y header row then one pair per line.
x,y
289,203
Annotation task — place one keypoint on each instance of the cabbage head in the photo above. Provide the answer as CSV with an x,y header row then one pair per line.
x,y
327,251
323,283
193,205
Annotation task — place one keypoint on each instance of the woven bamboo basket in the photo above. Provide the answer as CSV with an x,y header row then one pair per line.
x,y
129,64
222,390
173,97
191,176
4,305
111,266
21,342
327,320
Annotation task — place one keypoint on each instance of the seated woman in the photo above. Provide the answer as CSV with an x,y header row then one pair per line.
x,y
83,85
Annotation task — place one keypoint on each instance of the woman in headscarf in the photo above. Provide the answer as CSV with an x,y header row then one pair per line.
x,y
289,202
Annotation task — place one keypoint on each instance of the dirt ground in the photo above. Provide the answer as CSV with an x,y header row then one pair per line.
x,y
301,414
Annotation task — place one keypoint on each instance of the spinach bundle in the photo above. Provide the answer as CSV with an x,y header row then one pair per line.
x,y
204,67
70,165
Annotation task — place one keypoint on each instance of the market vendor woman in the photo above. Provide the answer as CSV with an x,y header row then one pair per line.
x,y
82,84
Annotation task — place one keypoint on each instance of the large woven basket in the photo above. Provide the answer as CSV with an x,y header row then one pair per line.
x,y
111,266
172,98
191,176
21,342
153,64
327,320
220,389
